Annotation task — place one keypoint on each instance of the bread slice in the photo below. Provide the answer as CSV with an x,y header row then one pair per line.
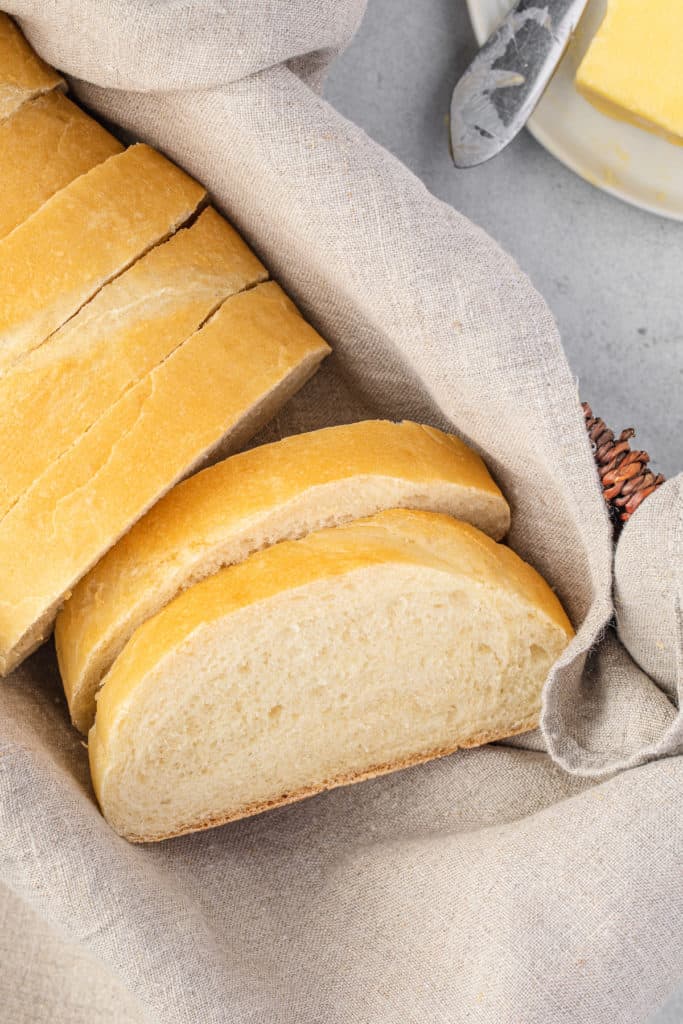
x,y
82,237
318,662
131,325
209,395
23,74
271,493
44,145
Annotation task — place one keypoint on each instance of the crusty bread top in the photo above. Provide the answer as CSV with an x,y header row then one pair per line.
x,y
255,346
271,493
22,73
396,536
82,237
44,145
131,325
232,492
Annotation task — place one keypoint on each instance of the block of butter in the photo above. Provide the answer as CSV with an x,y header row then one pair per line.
x,y
633,70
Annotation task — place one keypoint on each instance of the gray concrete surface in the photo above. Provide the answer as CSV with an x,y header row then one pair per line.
x,y
612,274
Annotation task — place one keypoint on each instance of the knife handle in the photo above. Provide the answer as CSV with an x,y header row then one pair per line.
x,y
500,89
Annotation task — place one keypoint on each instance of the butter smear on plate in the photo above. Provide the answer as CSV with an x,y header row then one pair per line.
x,y
633,69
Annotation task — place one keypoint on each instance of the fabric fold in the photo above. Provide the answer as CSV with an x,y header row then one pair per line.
x,y
496,885
429,319
166,45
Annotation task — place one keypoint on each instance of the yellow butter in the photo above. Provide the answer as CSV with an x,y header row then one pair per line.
x,y
633,70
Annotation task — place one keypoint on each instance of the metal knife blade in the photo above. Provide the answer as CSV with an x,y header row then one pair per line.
x,y
497,94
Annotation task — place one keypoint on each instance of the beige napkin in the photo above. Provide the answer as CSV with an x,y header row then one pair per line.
x,y
507,884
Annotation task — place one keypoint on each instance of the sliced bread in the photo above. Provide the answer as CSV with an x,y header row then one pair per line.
x,y
82,237
23,74
131,325
44,145
274,492
209,396
317,662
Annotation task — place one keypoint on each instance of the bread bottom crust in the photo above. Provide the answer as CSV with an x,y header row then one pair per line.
x,y
341,780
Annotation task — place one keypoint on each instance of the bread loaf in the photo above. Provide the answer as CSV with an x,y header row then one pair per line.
x,y
82,237
23,74
118,337
253,644
209,395
44,145
278,491
317,662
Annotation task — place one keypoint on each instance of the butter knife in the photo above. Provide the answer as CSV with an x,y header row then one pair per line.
x,y
499,91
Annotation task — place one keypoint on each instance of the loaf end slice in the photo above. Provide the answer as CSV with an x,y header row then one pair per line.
x,y
271,493
318,662
23,74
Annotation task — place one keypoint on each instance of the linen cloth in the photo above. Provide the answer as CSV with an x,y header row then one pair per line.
x,y
539,880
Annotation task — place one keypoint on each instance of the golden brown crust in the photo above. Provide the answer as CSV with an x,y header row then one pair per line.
x,y
45,145
434,542
398,536
341,780
289,482
239,368
130,327
23,74
134,199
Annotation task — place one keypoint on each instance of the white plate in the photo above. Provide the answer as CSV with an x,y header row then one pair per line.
x,y
628,162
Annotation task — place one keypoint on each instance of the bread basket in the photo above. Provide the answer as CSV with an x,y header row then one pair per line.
x,y
625,475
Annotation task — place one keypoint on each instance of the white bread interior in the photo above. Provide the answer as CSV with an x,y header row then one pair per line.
x,y
318,662
130,326
82,237
257,498
209,395
23,74
44,145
